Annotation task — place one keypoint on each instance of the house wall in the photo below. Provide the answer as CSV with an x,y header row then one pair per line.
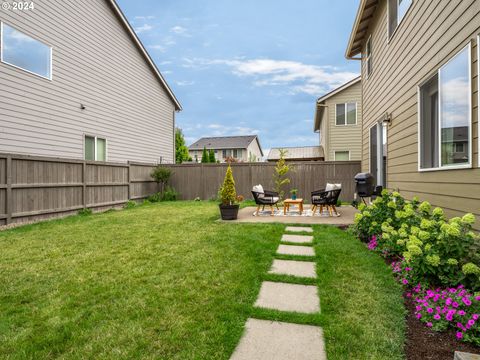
x,y
348,137
219,154
430,34
95,63
255,150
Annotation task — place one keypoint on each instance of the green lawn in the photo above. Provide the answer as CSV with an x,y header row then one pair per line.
x,y
168,281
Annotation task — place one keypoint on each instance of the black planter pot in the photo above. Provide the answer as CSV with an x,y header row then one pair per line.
x,y
228,212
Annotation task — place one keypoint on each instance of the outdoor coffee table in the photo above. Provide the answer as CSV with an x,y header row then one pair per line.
x,y
288,202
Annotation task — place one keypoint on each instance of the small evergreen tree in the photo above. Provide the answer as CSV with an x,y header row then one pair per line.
x,y
280,178
205,158
211,156
228,195
181,150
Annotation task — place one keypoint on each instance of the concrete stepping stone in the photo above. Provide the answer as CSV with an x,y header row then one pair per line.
x,y
296,250
288,297
299,229
299,239
273,340
293,268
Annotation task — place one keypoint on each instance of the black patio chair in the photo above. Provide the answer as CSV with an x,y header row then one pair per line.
x,y
267,198
325,199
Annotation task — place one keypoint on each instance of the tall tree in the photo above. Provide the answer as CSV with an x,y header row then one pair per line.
x,y
211,156
181,150
205,158
280,176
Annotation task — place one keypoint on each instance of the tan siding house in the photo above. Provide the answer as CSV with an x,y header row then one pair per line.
x,y
99,94
420,98
338,120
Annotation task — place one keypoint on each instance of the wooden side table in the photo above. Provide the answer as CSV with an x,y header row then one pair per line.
x,y
288,202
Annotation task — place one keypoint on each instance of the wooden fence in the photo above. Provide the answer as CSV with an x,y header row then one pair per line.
x,y
34,188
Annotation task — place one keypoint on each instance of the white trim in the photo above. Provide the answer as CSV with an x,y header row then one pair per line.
x,y
368,57
339,89
390,36
335,154
95,138
478,99
19,67
470,137
346,108
375,123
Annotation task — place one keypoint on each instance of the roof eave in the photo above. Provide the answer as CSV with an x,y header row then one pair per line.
x,y
352,48
147,56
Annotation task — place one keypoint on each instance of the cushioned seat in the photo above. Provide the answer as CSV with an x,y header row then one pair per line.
x,y
265,198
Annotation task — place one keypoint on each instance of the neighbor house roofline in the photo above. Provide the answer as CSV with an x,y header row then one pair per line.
x,y
145,53
198,145
364,15
319,106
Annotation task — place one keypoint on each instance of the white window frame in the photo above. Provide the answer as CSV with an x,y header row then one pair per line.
x,y
95,146
19,67
380,139
368,57
478,98
470,142
345,105
390,36
335,154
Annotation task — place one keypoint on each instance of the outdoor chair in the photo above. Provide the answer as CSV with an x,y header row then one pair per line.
x,y
326,198
265,198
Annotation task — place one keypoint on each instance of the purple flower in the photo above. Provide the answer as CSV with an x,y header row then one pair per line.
x,y
430,310
408,269
467,301
404,281
419,316
477,298
459,335
449,301
418,307
471,322
475,316
429,324
455,304
461,312
437,317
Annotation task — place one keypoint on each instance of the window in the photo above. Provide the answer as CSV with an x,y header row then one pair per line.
x,y
396,11
445,115
24,52
368,56
95,148
235,153
346,114
342,155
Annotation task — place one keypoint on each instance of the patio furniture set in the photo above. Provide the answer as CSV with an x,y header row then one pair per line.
x,y
321,200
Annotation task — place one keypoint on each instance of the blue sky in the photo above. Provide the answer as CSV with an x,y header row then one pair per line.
x,y
250,66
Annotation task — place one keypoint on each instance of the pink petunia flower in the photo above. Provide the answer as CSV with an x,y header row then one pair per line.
x,y
475,316
430,310
429,324
461,312
419,316
437,317
459,335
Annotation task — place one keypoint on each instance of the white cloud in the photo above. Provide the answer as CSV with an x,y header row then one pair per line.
x,y
185,83
143,18
143,28
223,130
179,30
301,78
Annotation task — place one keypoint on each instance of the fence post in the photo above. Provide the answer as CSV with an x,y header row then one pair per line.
x,y
84,184
129,169
9,197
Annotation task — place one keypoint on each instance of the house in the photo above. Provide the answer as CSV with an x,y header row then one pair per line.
x,y
302,153
76,82
241,148
419,62
338,120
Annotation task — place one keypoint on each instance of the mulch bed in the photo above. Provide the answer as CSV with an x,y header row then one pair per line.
x,y
424,344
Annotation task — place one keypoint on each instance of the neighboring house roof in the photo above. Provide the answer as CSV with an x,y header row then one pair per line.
x,y
360,27
319,109
298,153
144,52
225,142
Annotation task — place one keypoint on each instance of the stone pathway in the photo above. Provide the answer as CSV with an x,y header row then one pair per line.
x,y
265,339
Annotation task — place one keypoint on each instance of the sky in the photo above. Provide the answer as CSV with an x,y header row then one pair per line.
x,y
248,67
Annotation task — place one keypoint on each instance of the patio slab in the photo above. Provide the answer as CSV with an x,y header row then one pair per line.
x,y
293,268
299,229
296,250
299,239
288,297
273,340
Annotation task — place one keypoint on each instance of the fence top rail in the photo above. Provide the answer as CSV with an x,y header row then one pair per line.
x,y
272,164
61,160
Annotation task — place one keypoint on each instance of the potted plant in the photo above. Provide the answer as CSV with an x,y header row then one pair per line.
x,y
228,197
294,193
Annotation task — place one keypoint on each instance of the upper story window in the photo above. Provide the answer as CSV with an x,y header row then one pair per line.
x,y
368,56
346,114
445,116
95,148
24,52
396,11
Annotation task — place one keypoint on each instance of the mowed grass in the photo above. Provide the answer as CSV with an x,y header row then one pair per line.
x,y
169,281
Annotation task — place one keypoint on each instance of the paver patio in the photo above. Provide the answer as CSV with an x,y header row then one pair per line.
x,y
299,229
299,239
293,268
296,250
273,340
288,297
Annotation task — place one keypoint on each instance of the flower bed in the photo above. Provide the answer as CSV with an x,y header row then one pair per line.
x,y
437,260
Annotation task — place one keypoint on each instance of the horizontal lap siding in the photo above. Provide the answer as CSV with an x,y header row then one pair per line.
x,y
343,138
430,34
96,63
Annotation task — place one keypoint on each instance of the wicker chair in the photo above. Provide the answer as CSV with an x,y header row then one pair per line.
x,y
266,198
325,199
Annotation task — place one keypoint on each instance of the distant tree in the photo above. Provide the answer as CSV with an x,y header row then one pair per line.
x,y
181,150
211,156
205,158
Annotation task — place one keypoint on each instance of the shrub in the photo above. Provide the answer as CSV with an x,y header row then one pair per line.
x,y
227,192
280,176
161,175
205,158
130,204
170,194
155,197
85,212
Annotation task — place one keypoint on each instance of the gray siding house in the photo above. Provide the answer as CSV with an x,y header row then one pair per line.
x,y
76,82
240,148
